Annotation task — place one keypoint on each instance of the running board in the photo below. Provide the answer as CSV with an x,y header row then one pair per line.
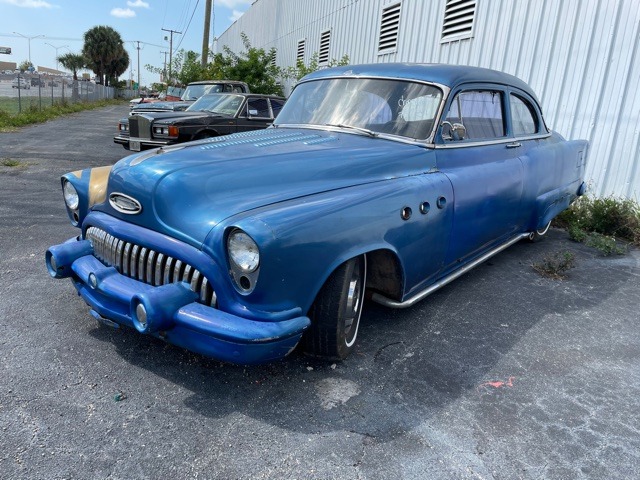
x,y
387,302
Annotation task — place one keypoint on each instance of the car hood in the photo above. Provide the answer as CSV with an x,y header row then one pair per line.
x,y
168,117
154,106
187,190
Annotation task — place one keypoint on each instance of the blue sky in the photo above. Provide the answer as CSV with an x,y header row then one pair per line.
x,y
63,22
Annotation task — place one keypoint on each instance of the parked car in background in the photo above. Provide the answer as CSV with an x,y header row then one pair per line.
x,y
211,115
392,179
190,94
20,82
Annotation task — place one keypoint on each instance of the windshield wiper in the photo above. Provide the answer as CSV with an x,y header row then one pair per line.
x,y
364,131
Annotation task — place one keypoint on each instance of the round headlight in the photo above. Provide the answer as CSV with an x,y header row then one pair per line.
x,y
243,251
70,195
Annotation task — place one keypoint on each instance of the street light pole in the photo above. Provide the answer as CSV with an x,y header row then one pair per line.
x,y
29,40
56,48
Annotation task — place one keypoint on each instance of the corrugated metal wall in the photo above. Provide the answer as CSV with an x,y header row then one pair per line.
x,y
580,56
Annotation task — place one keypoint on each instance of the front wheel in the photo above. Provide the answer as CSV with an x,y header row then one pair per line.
x,y
335,314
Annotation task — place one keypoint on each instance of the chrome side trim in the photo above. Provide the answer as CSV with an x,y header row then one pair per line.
x,y
490,142
381,299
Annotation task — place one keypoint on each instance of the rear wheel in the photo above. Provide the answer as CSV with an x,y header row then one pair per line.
x,y
335,314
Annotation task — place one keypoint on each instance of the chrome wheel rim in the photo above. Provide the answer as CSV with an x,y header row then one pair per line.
x,y
353,307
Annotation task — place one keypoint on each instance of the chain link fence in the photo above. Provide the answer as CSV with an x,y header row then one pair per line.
x,y
22,92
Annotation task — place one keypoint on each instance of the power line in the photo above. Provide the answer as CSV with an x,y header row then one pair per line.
x,y
185,31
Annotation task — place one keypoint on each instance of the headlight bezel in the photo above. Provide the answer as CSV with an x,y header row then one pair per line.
x,y
244,270
70,195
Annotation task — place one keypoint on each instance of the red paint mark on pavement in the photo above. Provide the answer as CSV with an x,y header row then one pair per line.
x,y
497,384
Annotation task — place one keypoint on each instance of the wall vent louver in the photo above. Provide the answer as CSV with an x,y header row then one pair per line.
x,y
458,20
389,25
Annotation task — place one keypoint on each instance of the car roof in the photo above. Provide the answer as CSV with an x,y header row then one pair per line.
x,y
449,75
215,82
244,94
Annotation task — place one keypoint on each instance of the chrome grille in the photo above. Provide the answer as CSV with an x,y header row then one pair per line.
x,y
133,126
147,265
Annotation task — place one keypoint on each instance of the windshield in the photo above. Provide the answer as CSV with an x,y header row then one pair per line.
x,y
393,107
194,92
175,91
218,103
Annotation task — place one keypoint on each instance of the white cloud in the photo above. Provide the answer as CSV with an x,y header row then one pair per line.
x,y
232,4
123,12
29,3
138,4
235,15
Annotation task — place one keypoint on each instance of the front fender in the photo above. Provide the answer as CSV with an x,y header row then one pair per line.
x,y
302,241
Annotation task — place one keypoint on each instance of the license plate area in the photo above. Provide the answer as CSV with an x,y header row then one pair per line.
x,y
134,145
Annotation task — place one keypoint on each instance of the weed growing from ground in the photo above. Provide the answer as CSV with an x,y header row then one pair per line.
x,y
9,162
555,265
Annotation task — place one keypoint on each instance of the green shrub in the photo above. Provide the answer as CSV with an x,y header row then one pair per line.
x,y
610,217
607,245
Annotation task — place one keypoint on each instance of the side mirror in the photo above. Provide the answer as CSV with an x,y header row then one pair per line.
x,y
456,131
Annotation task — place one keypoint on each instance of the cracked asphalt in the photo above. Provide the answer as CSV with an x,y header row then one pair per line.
x,y
503,374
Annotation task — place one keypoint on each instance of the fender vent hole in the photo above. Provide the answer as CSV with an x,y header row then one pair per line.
x,y
424,208
406,213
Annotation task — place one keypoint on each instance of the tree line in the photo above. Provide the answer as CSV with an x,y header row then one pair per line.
x,y
103,52
254,66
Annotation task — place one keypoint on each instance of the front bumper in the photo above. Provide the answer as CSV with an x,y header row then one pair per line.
x,y
170,310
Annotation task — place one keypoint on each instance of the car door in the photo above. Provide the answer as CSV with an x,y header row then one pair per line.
x,y
481,161
257,115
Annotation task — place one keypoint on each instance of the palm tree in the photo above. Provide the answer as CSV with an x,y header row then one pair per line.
x,y
73,62
118,66
102,47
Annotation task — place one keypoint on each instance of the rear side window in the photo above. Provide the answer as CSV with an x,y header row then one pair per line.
x,y
480,112
258,107
523,117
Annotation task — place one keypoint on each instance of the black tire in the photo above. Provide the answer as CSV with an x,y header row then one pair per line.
x,y
538,235
335,314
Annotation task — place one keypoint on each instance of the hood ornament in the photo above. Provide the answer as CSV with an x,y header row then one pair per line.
x,y
125,204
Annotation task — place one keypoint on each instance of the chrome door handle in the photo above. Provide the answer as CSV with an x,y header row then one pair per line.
x,y
514,145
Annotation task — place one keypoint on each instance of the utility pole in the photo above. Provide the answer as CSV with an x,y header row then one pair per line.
x,y
205,35
138,48
164,70
170,46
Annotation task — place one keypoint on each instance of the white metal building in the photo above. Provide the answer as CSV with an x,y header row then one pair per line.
x,y
580,56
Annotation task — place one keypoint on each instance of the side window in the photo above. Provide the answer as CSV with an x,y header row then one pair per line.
x,y
276,106
475,115
258,107
523,117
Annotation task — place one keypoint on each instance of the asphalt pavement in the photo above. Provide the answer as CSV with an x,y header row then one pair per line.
x,y
503,374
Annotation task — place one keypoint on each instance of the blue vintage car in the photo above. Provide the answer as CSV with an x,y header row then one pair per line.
x,y
386,179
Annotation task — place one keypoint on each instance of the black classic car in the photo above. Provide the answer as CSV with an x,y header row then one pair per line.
x,y
210,116
193,92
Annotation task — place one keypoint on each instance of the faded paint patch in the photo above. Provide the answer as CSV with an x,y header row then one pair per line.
x,y
333,392
98,184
